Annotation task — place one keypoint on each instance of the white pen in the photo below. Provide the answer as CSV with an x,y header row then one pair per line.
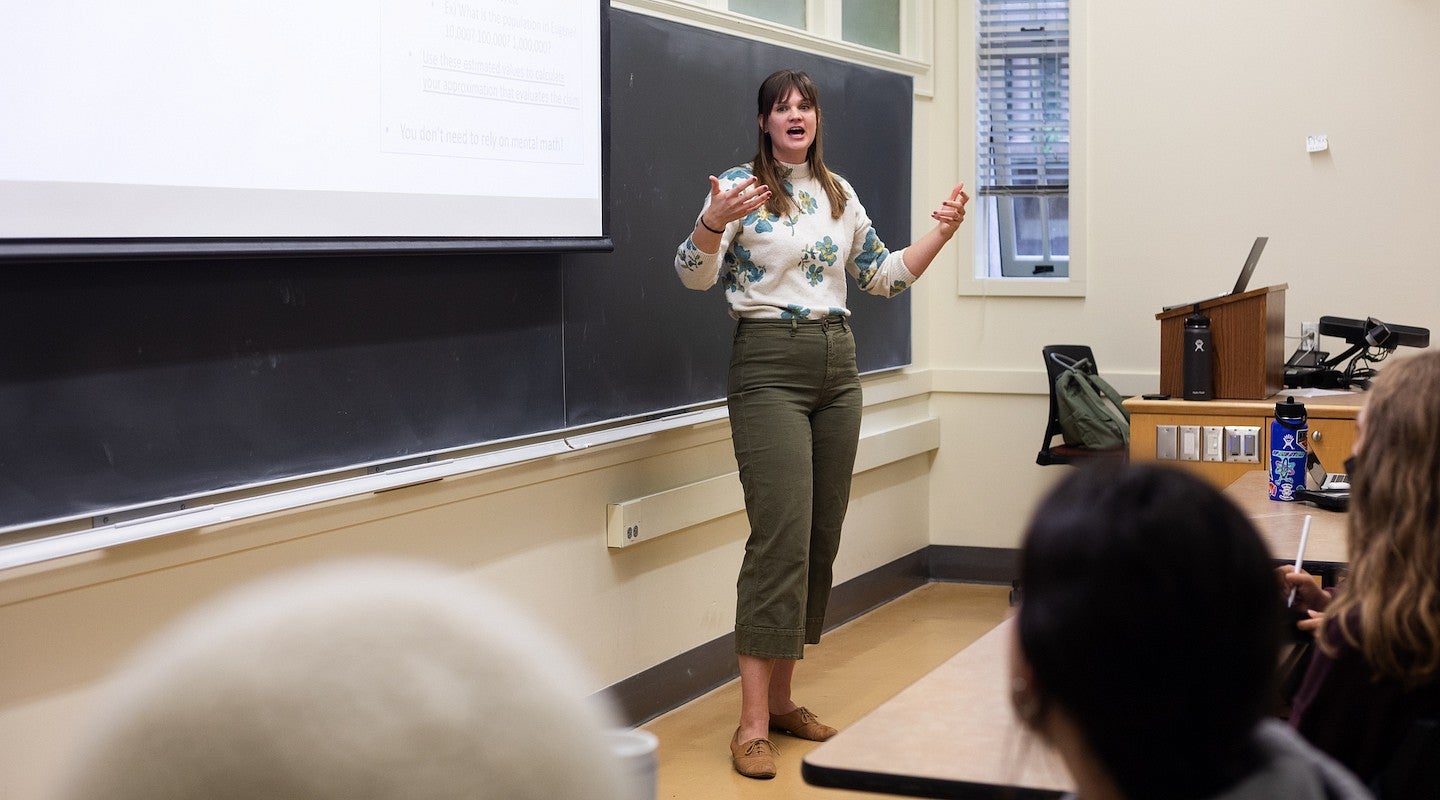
x,y
1299,557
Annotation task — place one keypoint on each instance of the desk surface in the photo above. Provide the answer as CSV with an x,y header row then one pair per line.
x,y
1280,523
952,734
1343,405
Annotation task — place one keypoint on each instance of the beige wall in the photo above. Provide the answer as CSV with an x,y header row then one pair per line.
x,y
1190,141
536,532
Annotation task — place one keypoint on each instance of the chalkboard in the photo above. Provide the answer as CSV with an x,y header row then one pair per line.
x,y
682,105
130,382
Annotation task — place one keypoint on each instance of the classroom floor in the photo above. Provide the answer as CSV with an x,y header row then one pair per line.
x,y
858,666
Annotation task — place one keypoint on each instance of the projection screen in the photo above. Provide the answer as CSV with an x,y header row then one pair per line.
x,y
214,124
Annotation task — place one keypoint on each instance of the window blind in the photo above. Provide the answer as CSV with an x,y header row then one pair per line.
x,y
1023,97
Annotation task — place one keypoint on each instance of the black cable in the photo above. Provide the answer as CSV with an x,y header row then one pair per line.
x,y
1356,375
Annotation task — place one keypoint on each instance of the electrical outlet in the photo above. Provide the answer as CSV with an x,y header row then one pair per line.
x,y
1309,336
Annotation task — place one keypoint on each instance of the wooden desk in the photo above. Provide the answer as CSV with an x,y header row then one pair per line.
x,y
951,734
1332,428
1280,524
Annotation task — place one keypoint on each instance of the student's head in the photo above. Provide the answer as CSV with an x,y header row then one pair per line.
x,y
1149,623
374,681
1394,539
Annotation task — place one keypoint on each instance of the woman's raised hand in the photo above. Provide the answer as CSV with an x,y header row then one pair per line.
x,y
737,202
952,211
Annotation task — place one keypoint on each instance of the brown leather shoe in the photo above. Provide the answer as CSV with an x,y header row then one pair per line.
x,y
754,758
801,724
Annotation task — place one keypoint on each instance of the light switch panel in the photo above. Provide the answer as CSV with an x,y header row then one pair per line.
x,y
1165,442
1211,439
1189,442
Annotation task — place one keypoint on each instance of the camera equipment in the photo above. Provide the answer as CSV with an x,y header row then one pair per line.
x,y
1371,341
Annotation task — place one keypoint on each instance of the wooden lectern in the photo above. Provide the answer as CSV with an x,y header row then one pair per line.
x,y
1248,333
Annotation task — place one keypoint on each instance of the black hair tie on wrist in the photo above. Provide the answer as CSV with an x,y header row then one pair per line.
x,y
707,227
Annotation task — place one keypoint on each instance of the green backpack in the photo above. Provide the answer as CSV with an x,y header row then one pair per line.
x,y
1089,408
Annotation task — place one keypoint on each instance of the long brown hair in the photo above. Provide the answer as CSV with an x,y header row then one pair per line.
x,y
771,172
1389,607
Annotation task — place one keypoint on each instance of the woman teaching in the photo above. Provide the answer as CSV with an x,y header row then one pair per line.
x,y
780,233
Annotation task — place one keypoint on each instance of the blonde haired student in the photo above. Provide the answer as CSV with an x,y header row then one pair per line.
x,y
1375,675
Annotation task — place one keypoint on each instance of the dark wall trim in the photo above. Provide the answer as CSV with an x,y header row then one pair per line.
x,y
677,681
973,564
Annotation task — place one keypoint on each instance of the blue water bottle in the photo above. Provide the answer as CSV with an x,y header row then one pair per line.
x,y
1288,449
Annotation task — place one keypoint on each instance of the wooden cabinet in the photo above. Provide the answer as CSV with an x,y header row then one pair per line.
x,y
1332,440
1332,429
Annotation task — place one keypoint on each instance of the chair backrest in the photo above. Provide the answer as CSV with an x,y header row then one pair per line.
x,y
1069,354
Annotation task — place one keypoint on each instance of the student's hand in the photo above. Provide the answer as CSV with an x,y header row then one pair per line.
x,y
1310,599
951,212
1312,622
737,202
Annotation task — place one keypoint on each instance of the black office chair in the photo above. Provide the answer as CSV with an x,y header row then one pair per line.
x,y
1063,453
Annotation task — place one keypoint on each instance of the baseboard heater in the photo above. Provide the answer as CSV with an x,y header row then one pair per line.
x,y
631,522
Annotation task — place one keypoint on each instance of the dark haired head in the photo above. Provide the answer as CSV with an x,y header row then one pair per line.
x,y
769,169
777,87
1151,616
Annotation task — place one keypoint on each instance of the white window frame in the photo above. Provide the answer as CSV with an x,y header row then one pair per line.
x,y
822,33
977,281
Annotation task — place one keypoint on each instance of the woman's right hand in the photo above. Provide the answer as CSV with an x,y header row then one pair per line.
x,y
1310,599
737,202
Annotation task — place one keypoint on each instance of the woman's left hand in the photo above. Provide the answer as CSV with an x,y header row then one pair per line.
x,y
952,211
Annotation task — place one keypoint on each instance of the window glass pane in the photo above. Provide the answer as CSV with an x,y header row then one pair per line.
x,y
785,12
875,23
1059,209
988,211
1029,228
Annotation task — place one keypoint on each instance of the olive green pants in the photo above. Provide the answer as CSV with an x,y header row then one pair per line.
x,y
795,410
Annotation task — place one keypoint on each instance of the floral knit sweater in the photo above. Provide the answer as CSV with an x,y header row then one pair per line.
x,y
794,267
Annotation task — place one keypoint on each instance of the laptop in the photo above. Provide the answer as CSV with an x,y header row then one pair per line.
x,y
1317,478
1331,490
1242,282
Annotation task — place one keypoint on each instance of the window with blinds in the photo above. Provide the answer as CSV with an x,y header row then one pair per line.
x,y
1023,140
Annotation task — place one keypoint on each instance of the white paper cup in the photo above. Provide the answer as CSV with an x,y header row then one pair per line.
x,y
636,750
